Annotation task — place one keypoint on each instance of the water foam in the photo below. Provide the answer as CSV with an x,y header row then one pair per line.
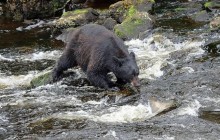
x,y
154,51
191,109
48,55
16,81
2,58
125,114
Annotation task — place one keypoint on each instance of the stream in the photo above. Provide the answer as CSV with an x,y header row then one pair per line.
x,y
179,97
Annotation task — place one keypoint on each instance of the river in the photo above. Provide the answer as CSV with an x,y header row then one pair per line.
x,y
179,96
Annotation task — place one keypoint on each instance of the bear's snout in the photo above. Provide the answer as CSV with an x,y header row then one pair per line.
x,y
135,82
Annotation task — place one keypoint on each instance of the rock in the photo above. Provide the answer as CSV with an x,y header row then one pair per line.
x,y
188,8
117,11
109,23
77,18
1,10
65,35
133,17
158,106
30,9
215,23
42,79
201,16
135,23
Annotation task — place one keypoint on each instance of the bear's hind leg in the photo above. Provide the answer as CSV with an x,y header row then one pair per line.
x,y
67,60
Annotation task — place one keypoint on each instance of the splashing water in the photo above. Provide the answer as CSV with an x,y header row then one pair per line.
x,y
154,51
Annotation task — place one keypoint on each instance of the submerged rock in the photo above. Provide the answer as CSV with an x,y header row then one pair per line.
x,y
54,122
42,79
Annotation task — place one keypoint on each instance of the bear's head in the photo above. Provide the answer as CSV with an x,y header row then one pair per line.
x,y
127,69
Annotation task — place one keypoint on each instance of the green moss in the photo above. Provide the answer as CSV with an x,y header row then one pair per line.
x,y
75,12
208,4
153,1
141,1
41,80
131,11
127,27
80,11
119,33
180,9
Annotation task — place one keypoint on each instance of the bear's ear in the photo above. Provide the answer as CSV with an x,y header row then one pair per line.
x,y
132,55
118,61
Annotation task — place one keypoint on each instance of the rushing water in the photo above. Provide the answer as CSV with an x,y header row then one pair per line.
x,y
179,97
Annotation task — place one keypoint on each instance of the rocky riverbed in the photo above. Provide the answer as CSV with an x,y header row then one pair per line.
x,y
177,44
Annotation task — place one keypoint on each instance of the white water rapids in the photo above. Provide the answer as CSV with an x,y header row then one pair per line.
x,y
152,55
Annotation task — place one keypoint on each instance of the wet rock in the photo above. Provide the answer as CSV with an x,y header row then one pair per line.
x,y
188,8
109,23
42,79
46,124
210,114
201,16
213,48
117,11
29,9
65,36
215,23
77,18
158,106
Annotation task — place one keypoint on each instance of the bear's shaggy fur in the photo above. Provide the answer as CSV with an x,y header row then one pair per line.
x,y
98,51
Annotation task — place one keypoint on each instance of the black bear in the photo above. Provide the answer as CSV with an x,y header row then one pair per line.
x,y
98,51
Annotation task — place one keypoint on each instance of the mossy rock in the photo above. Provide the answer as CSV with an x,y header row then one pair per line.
x,y
134,23
42,79
77,17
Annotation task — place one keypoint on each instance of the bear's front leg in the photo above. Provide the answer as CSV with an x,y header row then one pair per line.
x,y
100,80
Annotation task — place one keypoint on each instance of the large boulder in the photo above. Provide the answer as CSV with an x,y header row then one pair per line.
x,y
77,18
29,9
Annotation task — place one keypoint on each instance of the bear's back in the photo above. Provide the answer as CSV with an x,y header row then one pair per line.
x,y
96,35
